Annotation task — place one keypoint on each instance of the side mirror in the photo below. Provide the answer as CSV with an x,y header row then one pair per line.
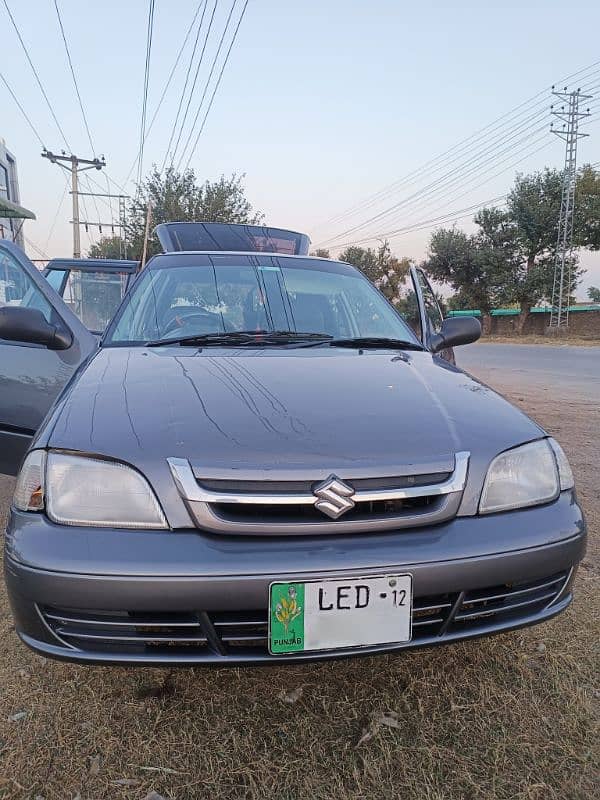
x,y
29,325
455,331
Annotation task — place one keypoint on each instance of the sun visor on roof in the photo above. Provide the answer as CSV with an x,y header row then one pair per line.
x,y
210,236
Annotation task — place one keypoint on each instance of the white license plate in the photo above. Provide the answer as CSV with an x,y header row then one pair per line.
x,y
330,615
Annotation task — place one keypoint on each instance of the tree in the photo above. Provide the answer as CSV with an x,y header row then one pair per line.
x,y
365,259
178,197
594,294
107,247
321,252
510,259
470,265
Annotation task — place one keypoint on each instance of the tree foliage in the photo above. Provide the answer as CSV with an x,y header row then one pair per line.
x,y
381,267
594,294
180,197
107,247
510,259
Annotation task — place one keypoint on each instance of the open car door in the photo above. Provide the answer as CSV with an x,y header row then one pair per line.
x,y
430,312
41,345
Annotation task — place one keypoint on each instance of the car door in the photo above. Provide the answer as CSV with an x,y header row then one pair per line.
x,y
31,375
430,312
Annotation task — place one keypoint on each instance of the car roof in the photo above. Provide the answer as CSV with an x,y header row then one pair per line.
x,y
93,264
172,257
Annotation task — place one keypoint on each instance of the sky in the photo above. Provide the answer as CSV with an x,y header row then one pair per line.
x,y
322,104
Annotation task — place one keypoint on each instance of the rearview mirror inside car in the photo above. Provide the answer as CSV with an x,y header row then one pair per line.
x,y
29,325
455,331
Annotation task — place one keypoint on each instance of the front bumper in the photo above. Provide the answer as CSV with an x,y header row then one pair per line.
x,y
137,597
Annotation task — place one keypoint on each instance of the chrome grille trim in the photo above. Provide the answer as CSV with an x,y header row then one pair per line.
x,y
239,512
192,490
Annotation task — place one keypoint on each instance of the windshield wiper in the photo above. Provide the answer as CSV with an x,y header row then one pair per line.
x,y
374,342
243,338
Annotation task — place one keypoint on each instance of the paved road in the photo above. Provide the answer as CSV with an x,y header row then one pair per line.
x,y
571,372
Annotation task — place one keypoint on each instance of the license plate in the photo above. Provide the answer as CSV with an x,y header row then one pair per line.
x,y
330,615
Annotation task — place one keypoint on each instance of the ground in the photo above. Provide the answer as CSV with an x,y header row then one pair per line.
x,y
511,717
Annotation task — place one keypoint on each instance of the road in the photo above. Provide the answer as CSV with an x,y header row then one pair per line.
x,y
570,372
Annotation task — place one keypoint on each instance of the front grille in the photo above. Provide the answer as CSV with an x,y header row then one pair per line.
x,y
321,503
244,633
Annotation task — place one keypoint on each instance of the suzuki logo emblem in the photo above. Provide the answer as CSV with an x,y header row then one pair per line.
x,y
334,497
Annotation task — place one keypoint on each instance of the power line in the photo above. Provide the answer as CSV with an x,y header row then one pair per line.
x,y
168,82
447,179
64,38
193,150
22,110
145,92
461,146
191,94
400,231
37,77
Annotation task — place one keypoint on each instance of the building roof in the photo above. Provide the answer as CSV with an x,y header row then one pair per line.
x,y
9,210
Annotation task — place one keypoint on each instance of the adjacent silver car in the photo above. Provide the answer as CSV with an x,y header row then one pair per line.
x,y
265,461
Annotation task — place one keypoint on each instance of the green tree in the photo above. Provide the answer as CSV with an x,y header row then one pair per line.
x,y
321,252
107,247
470,265
364,258
179,197
594,294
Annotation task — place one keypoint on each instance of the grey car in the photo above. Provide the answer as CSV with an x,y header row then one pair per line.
x,y
264,461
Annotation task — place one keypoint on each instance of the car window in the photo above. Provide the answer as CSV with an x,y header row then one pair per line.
x,y
17,288
432,307
55,278
287,294
94,296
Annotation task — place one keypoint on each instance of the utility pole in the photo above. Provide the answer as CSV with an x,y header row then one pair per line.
x,y
77,165
570,115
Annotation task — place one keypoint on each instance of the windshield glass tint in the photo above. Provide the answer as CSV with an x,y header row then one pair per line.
x,y
300,296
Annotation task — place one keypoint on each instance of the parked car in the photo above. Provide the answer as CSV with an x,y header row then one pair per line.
x,y
261,461
91,287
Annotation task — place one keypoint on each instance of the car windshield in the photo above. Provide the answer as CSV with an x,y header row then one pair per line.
x,y
225,295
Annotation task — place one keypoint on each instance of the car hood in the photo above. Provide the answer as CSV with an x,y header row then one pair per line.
x,y
276,412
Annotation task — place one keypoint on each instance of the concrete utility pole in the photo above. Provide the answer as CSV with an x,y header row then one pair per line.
x,y
77,165
570,115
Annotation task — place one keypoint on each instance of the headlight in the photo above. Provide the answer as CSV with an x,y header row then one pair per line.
x,y
29,491
525,476
90,491
567,481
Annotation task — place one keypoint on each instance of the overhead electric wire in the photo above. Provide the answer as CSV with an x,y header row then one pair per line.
x,y
149,32
436,185
460,146
408,229
475,172
37,77
187,75
235,33
83,114
199,64
22,110
168,82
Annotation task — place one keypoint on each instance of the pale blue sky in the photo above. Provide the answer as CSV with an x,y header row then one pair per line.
x,y
322,103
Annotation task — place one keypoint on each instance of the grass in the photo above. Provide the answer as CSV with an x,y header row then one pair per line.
x,y
513,717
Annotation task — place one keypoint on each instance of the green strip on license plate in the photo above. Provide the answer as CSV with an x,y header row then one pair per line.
x,y
286,617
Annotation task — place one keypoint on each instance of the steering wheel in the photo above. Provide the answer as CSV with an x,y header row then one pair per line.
x,y
182,316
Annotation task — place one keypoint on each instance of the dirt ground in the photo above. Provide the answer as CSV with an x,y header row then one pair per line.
x,y
531,338
513,717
